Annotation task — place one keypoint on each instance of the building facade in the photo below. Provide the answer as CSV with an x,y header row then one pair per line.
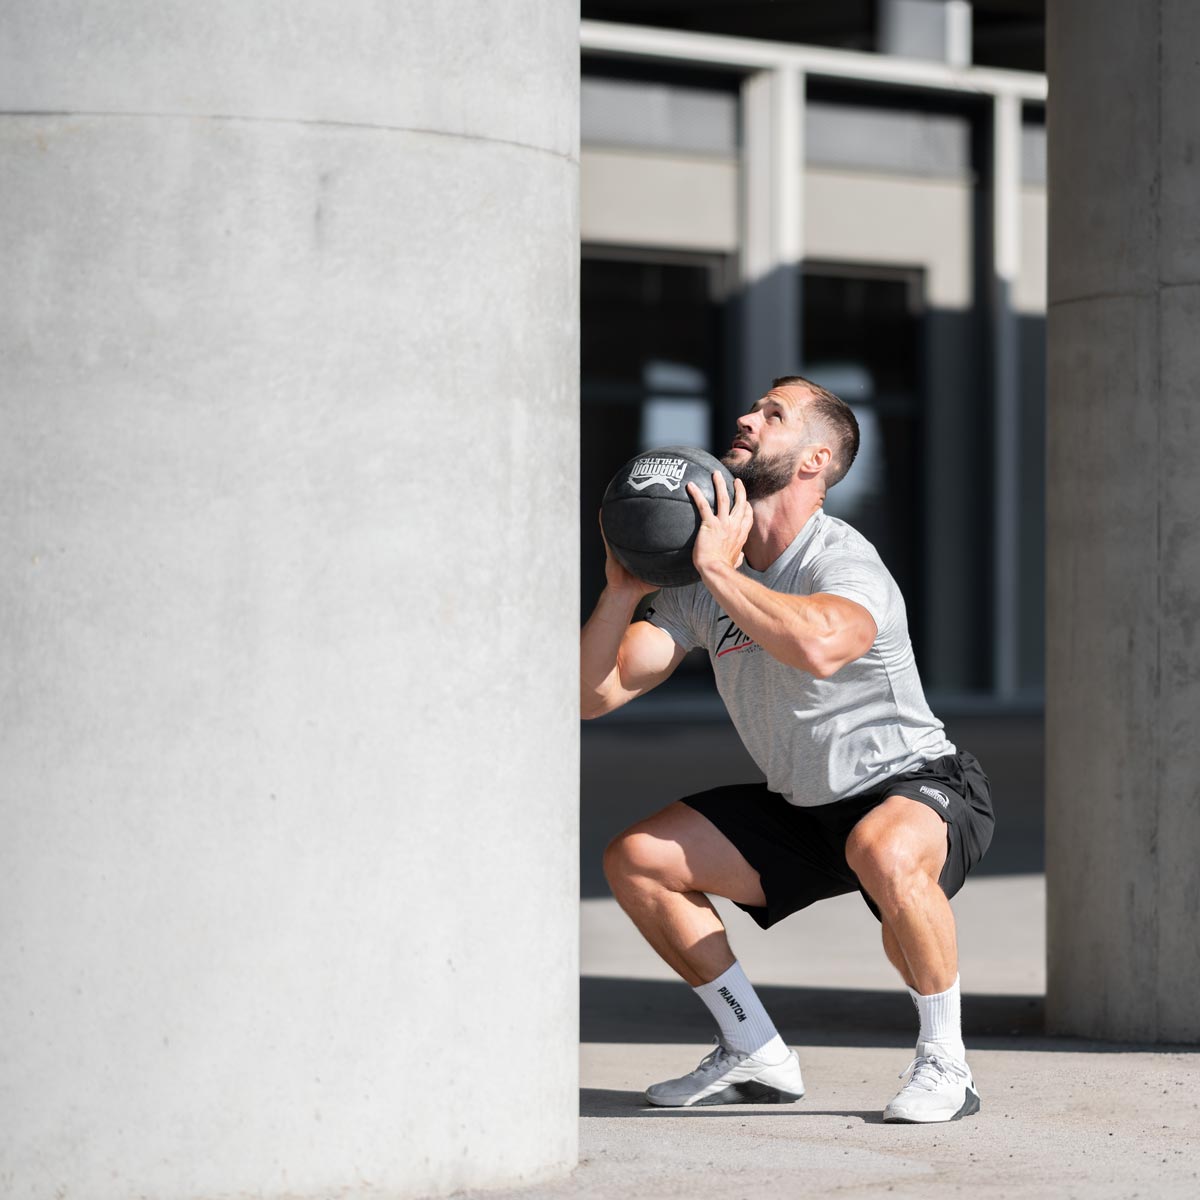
x,y
875,221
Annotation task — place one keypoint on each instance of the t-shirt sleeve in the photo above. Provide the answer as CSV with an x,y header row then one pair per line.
x,y
861,579
673,610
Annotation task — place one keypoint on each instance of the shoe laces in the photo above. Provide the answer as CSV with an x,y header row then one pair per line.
x,y
928,1071
714,1058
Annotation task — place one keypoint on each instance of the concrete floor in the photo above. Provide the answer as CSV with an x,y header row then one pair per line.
x,y
1060,1118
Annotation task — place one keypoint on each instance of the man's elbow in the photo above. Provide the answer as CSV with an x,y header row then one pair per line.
x,y
825,661
823,664
823,668
597,704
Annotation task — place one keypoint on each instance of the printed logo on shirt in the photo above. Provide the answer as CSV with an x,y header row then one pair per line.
x,y
738,1010
668,472
934,794
732,639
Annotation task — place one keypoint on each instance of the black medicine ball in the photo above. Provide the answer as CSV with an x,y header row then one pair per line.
x,y
650,522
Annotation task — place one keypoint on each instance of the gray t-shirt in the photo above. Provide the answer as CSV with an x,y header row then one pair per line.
x,y
817,740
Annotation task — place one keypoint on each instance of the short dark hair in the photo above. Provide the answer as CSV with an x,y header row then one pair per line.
x,y
837,419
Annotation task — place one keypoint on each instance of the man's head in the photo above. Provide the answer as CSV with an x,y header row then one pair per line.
x,y
796,430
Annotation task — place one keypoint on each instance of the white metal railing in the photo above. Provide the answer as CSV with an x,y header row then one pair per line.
x,y
600,37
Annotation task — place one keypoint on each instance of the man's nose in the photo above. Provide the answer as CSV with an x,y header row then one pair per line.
x,y
745,423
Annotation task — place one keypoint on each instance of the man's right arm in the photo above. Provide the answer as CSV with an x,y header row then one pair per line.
x,y
619,661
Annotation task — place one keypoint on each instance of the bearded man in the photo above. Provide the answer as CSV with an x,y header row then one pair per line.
x,y
808,638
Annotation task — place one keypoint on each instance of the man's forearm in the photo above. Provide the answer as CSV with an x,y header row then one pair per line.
x,y
796,630
599,647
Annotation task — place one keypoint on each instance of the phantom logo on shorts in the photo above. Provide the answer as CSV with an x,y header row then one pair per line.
x,y
666,471
940,797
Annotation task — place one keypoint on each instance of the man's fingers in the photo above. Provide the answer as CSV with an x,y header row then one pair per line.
x,y
741,507
723,532
700,502
722,493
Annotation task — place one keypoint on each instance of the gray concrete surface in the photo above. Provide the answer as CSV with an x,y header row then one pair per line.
x,y
1123,550
288,390
1060,1117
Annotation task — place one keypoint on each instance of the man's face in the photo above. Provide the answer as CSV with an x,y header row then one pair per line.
x,y
769,441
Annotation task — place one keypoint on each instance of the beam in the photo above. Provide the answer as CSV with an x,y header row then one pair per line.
x,y
752,54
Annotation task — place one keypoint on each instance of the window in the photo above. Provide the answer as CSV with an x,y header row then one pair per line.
x,y
862,336
652,365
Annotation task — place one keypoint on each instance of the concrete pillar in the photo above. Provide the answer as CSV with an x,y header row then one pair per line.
x,y
288,486
1006,398
1123,496
772,226
933,29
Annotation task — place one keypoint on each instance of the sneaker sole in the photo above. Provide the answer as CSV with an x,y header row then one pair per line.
x,y
750,1092
970,1107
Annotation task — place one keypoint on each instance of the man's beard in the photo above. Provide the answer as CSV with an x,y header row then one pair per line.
x,y
763,477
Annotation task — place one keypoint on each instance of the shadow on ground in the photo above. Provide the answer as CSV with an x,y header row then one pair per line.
x,y
651,1011
606,1102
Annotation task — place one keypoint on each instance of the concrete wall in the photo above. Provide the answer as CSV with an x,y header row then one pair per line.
x,y
667,200
928,225
673,201
1123,562
659,116
288,490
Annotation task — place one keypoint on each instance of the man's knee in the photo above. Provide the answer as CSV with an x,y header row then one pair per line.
x,y
887,864
637,854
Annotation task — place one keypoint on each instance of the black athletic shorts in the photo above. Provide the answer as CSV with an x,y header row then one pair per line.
x,y
800,853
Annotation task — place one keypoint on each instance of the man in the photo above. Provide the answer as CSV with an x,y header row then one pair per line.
x,y
808,638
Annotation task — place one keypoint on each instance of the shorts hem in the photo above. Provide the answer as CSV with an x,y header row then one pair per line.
x,y
799,852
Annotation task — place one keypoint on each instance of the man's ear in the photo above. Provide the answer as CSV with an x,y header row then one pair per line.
x,y
815,459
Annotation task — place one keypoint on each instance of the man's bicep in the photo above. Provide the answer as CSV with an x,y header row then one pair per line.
x,y
648,655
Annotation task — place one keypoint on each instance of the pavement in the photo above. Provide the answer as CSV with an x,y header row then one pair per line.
x,y
1060,1117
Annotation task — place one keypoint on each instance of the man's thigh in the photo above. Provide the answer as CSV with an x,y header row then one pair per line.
x,y
796,852
695,855
903,832
949,818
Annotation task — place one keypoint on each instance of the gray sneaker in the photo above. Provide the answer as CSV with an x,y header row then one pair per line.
x,y
938,1087
728,1077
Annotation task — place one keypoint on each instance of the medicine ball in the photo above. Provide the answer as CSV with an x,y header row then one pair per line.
x,y
650,522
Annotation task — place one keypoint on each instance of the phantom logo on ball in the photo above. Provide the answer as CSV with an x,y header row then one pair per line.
x,y
667,472
650,522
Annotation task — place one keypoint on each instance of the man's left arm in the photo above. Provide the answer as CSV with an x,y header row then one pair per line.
x,y
819,634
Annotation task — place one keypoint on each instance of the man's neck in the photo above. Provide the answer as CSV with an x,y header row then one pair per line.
x,y
777,520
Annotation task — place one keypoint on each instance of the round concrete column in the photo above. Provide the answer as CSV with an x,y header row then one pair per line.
x,y
289,604
1123,538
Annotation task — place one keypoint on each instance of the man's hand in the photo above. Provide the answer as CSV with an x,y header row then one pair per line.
x,y
723,533
618,578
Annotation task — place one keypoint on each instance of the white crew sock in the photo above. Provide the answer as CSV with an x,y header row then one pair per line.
x,y
745,1026
941,1019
